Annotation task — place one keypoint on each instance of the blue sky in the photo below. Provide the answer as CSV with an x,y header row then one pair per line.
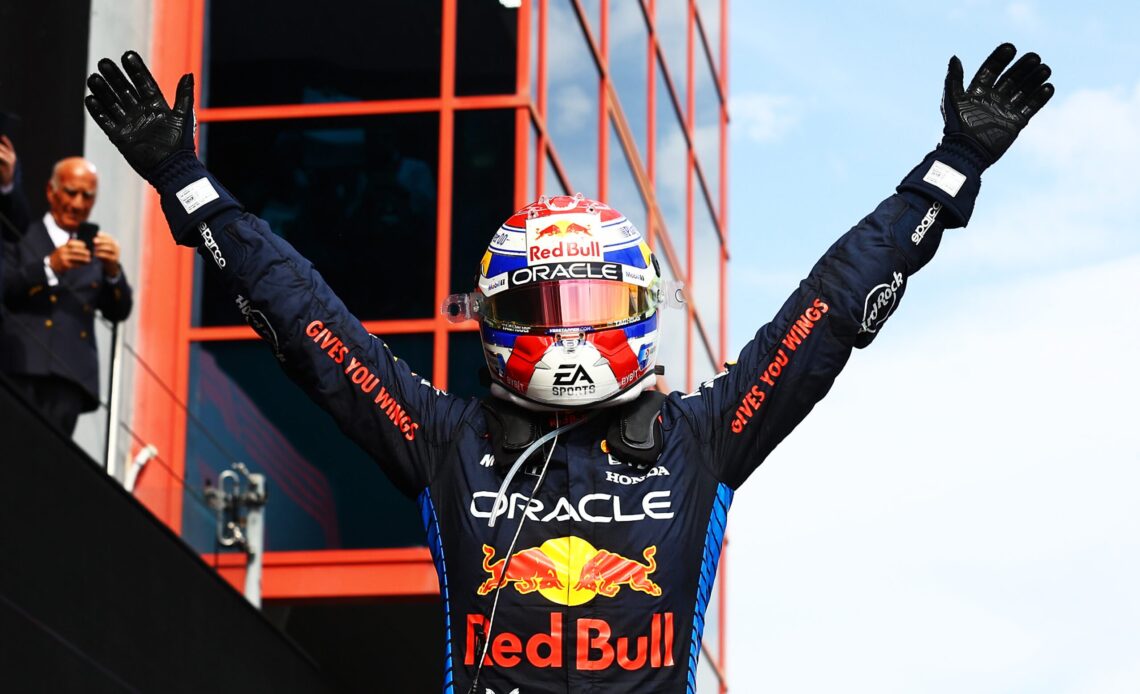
x,y
960,513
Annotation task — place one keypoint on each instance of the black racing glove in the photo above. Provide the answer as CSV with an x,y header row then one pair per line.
x,y
158,141
980,123
134,114
989,115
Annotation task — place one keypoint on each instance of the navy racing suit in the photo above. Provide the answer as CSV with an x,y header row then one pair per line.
x,y
609,581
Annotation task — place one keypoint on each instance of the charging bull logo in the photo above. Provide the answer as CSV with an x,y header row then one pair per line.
x,y
605,573
570,571
562,229
529,570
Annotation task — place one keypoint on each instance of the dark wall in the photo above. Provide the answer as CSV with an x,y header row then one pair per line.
x,y
96,595
43,67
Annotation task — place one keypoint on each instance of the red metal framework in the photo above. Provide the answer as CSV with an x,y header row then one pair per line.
x,y
166,333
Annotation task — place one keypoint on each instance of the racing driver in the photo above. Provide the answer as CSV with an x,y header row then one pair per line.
x,y
576,515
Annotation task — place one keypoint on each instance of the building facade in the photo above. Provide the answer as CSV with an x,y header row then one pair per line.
x,y
387,142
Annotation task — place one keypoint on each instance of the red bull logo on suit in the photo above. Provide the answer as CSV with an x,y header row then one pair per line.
x,y
570,571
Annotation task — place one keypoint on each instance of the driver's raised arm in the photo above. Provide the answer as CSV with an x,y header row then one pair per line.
x,y
375,398
743,413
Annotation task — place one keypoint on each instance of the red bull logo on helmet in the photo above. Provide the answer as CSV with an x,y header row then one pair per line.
x,y
571,236
570,571
562,229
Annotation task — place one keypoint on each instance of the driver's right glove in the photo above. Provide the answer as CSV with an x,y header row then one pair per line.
x,y
980,123
158,142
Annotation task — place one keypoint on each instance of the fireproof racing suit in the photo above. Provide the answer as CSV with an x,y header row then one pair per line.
x,y
609,581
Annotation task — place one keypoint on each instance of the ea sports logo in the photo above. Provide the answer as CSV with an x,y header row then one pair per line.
x,y
572,380
571,374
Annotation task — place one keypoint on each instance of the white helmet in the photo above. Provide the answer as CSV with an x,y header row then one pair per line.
x,y
567,300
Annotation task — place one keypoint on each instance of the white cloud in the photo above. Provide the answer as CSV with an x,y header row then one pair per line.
x,y
763,117
573,106
1089,136
959,513
671,147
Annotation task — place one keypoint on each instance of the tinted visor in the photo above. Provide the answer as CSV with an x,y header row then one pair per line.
x,y
568,303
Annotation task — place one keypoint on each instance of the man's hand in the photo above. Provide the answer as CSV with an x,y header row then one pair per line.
x,y
135,116
7,161
69,256
988,115
107,250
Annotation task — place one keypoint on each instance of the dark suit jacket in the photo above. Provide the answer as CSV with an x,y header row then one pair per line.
x,y
50,331
14,207
14,218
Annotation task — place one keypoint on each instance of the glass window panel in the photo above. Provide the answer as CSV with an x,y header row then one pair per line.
x,y
593,12
551,183
672,34
671,338
707,128
486,46
535,25
671,170
294,51
629,67
324,491
482,188
705,364
464,364
531,186
572,104
356,196
624,195
709,11
705,291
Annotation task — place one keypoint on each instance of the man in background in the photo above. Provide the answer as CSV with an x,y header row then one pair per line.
x,y
54,279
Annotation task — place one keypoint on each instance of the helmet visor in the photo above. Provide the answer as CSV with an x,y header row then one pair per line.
x,y
568,304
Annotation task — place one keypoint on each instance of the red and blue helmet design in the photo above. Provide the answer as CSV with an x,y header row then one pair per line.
x,y
567,299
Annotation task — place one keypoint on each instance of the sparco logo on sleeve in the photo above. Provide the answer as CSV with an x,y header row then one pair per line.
x,y
880,303
924,226
211,245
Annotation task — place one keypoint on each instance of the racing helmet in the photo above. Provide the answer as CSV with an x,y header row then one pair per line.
x,y
567,300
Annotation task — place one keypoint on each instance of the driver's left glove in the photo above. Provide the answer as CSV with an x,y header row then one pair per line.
x,y
980,123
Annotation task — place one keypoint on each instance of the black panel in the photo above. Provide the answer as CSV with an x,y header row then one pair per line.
x,y
43,68
356,196
295,51
96,595
482,188
486,47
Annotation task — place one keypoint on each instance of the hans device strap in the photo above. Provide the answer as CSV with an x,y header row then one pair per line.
x,y
633,435
511,428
